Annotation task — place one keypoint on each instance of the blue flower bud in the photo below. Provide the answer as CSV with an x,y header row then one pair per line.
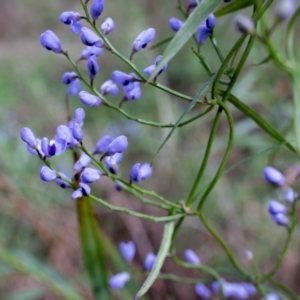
x,y
164,67
203,33
127,250
89,99
73,81
81,163
149,261
276,207
140,172
90,175
46,174
118,188
63,184
75,27
175,24
121,78
142,40
79,116
244,24
108,26
108,87
271,296
236,290
90,38
28,137
96,9
290,195
274,176
211,21
202,291
133,93
111,162
93,67
102,144
118,145
90,51
64,133
250,288
280,219
191,257
119,280
248,254
285,9
77,132
50,41
149,70
68,77
84,190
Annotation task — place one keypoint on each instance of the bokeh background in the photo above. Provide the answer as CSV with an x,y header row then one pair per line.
x,y
38,222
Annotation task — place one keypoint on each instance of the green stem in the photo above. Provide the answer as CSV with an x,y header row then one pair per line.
x,y
217,49
284,288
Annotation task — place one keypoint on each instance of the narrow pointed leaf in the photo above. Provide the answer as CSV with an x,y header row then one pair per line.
x,y
233,7
93,249
188,109
264,61
27,264
264,125
161,256
190,26
162,42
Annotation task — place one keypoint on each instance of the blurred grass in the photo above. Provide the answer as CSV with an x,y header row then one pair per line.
x,y
39,218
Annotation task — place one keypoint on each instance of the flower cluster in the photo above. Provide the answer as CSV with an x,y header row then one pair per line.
x,y
127,251
277,210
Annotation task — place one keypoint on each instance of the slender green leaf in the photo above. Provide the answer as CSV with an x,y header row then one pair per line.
x,y
161,42
161,256
188,109
264,61
27,264
190,26
264,125
93,249
233,7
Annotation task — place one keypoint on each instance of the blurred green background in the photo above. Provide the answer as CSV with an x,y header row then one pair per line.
x,y
38,221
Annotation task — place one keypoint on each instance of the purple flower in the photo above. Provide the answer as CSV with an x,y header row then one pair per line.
x,y
274,176
81,163
71,18
89,99
108,26
248,254
285,9
57,146
90,38
290,195
96,9
244,24
50,41
271,296
140,172
121,78
111,162
77,132
83,190
175,24
92,66
276,207
90,51
118,145
65,133
149,261
127,250
191,257
211,21
280,219
142,40
46,174
119,280
102,144
90,175
149,70
203,33
132,92
202,291
28,137
71,79
108,87
36,149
